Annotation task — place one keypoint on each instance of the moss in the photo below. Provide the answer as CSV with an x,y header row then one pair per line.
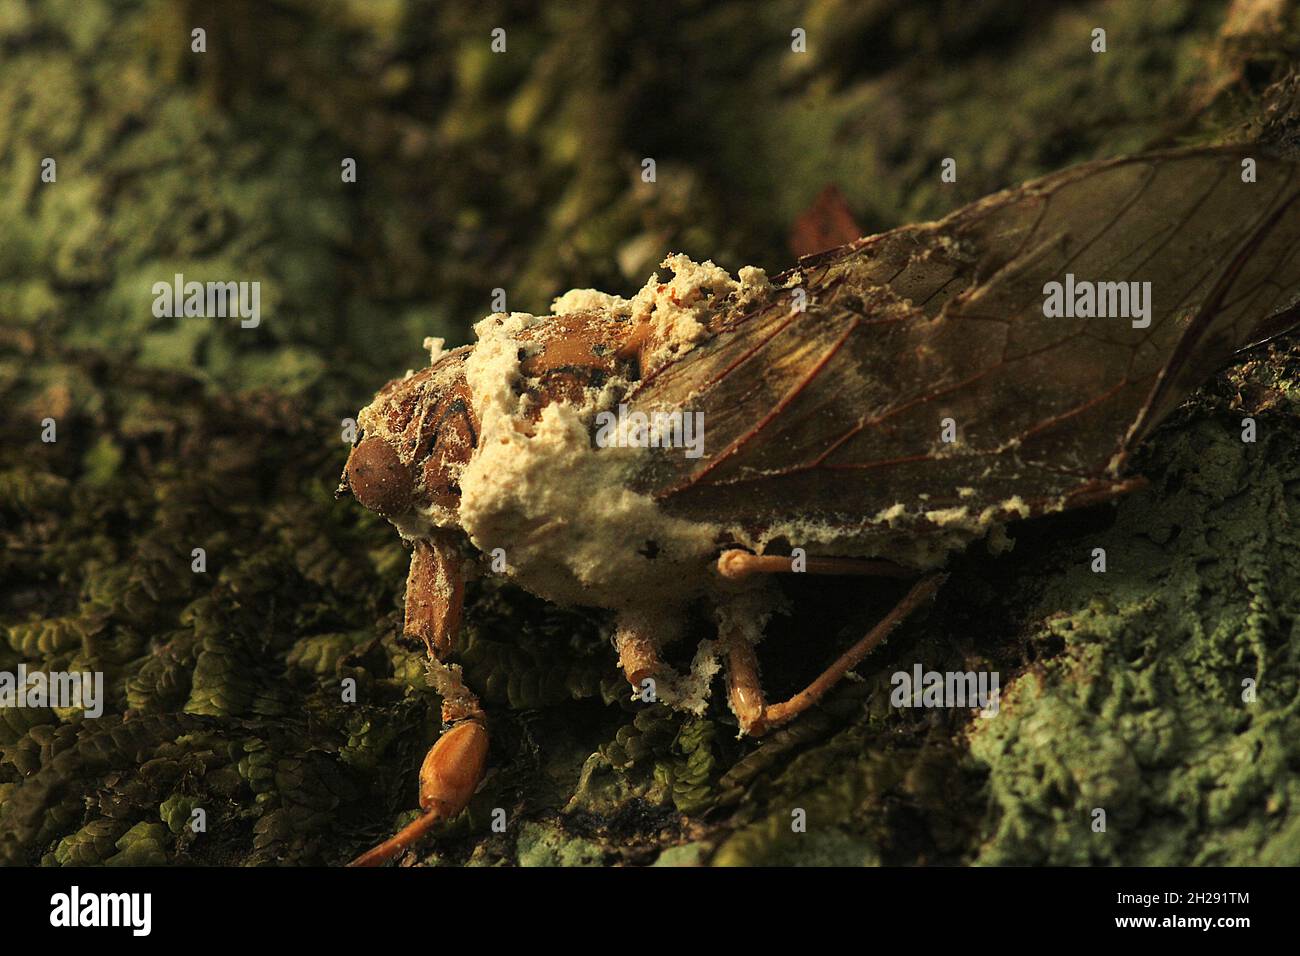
x,y
177,811
91,845
142,845
691,772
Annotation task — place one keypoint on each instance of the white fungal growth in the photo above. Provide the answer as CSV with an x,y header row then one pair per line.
x,y
678,310
590,300
948,517
558,505
492,369
690,691
435,347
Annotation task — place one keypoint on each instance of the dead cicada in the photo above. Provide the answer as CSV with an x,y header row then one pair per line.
x,y
879,406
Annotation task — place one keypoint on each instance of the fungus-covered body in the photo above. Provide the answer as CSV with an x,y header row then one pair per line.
x,y
878,407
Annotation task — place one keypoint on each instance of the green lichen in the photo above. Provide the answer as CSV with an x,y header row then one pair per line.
x,y
542,845
1147,712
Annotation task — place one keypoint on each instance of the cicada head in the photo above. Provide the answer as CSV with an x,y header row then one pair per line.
x,y
413,441
419,432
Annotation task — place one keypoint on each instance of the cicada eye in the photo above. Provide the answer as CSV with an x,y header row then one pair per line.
x,y
379,479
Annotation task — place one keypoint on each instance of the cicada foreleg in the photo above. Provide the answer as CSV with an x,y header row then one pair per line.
x,y
454,766
736,565
745,693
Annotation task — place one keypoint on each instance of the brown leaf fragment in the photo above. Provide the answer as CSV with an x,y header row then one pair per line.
x,y
827,223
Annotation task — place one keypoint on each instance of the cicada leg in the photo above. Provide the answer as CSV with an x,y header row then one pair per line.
x,y
638,651
736,565
745,693
454,766
638,636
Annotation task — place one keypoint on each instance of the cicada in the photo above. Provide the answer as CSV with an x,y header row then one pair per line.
x,y
868,412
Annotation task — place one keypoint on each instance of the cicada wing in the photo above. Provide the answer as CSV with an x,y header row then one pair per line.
x,y
843,412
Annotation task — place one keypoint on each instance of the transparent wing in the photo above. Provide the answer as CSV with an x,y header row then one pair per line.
x,y
837,413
